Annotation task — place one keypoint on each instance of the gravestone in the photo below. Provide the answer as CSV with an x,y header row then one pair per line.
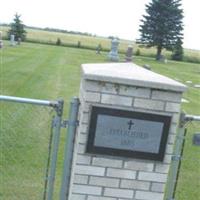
x,y
129,53
124,143
19,41
113,54
12,40
98,50
1,41
196,139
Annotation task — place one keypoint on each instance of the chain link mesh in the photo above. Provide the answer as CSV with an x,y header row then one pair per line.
x,y
25,134
189,168
185,166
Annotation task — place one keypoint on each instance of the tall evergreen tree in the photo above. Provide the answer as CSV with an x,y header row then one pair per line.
x,y
162,25
17,28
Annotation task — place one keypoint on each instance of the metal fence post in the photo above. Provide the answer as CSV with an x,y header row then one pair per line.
x,y
55,145
69,144
176,159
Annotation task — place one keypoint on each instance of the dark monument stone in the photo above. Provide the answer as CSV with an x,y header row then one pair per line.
x,y
129,53
196,139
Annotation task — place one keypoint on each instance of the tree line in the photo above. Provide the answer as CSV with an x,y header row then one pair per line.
x,y
161,27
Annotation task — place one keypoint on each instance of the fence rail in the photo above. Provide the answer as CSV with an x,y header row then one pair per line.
x,y
29,141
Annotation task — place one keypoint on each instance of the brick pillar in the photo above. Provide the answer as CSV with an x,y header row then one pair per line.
x,y
123,86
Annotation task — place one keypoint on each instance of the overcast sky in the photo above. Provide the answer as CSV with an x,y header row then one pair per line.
x,y
102,17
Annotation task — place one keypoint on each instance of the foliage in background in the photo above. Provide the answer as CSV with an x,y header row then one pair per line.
x,y
137,53
79,44
177,53
162,25
58,42
17,28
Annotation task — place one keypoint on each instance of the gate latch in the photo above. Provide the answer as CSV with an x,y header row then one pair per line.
x,y
66,123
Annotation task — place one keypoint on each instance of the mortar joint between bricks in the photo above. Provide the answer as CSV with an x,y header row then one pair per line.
x,y
165,105
137,175
154,167
105,172
88,180
123,164
100,97
102,191
151,93
150,186
120,182
133,100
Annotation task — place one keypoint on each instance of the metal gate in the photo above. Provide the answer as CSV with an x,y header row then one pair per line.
x,y
29,141
182,159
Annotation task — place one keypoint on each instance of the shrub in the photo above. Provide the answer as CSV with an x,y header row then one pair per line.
x,y
177,53
58,42
137,53
79,44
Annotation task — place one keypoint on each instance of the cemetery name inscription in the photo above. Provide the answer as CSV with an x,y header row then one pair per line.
x,y
127,133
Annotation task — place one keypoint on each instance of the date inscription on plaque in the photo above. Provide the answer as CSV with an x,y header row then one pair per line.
x,y
127,133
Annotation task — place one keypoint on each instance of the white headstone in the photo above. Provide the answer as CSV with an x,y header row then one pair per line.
x,y
113,54
12,40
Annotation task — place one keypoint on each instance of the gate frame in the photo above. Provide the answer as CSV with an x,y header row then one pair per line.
x,y
57,123
178,153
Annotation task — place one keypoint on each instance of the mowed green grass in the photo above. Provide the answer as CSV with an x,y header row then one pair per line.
x,y
50,72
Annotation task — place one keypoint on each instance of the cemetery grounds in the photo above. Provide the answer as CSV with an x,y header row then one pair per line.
x,y
49,72
91,42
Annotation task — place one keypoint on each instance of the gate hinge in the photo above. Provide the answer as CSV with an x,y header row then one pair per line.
x,y
176,157
66,123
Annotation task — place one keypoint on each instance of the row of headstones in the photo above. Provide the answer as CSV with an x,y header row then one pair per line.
x,y
113,54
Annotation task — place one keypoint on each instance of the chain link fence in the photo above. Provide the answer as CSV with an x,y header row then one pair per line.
x,y
26,145
185,167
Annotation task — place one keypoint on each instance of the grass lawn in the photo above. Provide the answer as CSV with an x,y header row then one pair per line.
x,y
50,72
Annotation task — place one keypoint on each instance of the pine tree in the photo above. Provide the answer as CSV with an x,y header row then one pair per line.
x,y
17,28
177,53
162,25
